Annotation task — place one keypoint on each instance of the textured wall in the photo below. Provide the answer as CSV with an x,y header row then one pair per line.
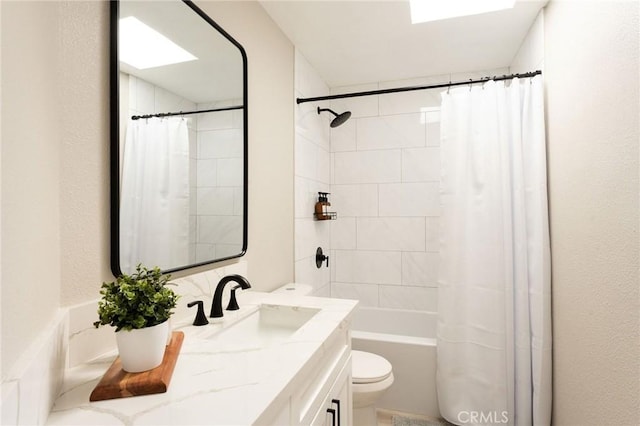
x,y
30,174
55,156
591,63
271,138
84,152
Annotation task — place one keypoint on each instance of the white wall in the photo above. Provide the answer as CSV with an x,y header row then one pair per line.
x,y
270,54
55,157
31,172
591,74
312,175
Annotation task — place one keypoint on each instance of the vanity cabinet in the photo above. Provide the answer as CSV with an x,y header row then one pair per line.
x,y
336,409
322,385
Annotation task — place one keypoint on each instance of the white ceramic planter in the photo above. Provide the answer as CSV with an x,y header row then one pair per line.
x,y
142,349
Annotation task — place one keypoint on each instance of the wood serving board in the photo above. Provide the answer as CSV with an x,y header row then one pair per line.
x,y
117,383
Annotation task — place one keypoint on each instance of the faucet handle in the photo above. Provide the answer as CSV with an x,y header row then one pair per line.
x,y
233,303
201,318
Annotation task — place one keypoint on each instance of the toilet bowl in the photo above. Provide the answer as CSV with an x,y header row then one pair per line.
x,y
371,377
371,374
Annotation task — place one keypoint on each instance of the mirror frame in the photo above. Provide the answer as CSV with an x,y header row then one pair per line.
x,y
114,157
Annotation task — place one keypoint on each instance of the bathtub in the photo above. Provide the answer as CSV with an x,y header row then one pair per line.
x,y
407,340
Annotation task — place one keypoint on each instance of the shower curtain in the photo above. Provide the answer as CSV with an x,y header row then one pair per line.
x,y
154,202
494,319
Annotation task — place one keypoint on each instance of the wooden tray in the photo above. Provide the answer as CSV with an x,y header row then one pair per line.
x,y
117,383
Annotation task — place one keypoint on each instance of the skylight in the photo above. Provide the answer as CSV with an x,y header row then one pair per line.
x,y
143,47
434,10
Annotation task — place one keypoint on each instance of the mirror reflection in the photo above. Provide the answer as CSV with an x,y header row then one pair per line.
x,y
181,139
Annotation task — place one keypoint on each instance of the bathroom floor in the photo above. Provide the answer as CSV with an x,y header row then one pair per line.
x,y
397,418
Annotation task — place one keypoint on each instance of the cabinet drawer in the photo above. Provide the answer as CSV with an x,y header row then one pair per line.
x,y
336,408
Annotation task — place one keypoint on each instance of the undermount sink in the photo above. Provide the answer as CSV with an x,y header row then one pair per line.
x,y
268,324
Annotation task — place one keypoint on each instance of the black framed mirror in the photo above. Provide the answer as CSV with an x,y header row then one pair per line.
x,y
178,138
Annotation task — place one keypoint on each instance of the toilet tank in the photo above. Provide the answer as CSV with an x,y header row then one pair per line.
x,y
295,289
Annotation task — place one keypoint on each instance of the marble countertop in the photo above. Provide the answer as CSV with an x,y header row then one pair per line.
x,y
216,381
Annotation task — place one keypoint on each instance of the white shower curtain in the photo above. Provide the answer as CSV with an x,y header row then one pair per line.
x,y
494,303
154,202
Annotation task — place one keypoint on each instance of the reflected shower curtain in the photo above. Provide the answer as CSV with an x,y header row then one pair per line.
x,y
154,202
494,303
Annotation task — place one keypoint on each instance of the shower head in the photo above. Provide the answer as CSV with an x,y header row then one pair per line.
x,y
340,118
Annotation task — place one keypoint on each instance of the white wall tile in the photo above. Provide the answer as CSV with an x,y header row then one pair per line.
x,y
404,297
230,172
367,167
311,160
397,233
343,138
308,273
220,144
313,126
205,252
409,199
207,172
343,233
392,131
355,200
307,80
373,267
227,250
364,106
85,341
420,269
36,379
218,120
306,196
166,101
413,101
367,294
238,200
219,229
309,235
215,201
421,164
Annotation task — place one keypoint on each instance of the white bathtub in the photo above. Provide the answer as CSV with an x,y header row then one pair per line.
x,y
407,340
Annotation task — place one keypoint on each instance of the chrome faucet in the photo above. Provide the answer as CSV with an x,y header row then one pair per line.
x,y
216,306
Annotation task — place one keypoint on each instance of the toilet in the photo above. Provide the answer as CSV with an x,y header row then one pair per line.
x,y
371,374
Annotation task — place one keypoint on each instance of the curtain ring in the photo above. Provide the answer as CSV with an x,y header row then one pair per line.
x,y
470,83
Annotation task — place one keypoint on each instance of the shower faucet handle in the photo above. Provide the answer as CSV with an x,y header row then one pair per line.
x,y
321,257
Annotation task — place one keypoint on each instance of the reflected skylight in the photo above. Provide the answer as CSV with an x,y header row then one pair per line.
x,y
143,47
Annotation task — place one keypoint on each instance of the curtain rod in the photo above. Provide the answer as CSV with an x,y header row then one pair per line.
x,y
411,88
169,114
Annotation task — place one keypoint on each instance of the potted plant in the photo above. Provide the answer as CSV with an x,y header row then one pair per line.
x,y
138,306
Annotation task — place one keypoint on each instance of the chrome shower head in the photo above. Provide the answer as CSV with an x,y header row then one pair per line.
x,y
339,119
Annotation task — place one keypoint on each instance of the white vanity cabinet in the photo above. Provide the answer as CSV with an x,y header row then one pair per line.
x,y
336,409
320,394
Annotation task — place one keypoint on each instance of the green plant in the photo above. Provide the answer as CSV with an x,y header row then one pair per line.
x,y
136,301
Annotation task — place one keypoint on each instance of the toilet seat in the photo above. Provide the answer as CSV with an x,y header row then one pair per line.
x,y
369,368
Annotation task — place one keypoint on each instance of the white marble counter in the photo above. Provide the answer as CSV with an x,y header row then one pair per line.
x,y
217,380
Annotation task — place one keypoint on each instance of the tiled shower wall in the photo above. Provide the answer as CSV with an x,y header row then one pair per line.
x,y
312,174
385,164
383,176
218,199
215,166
